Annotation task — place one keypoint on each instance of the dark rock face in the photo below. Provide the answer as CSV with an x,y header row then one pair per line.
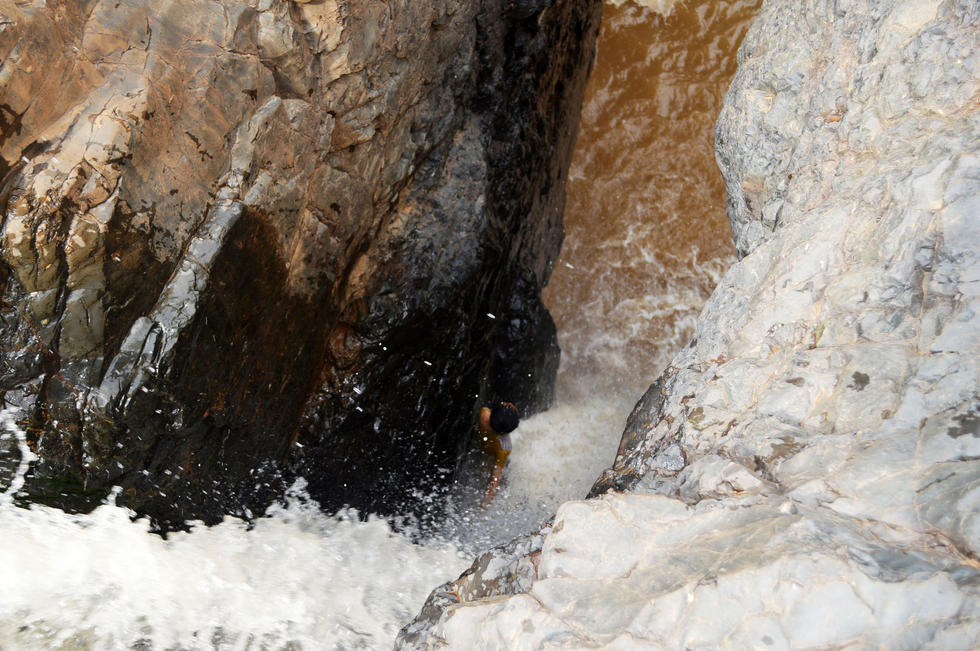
x,y
244,241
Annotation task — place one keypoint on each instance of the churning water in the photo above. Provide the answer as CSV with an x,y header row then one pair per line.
x,y
647,240
296,579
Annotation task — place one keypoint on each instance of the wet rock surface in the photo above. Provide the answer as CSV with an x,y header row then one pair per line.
x,y
805,473
244,241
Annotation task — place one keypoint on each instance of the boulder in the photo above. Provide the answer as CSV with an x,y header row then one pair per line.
x,y
245,240
806,472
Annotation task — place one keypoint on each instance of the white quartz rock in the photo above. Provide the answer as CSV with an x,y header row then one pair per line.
x,y
646,571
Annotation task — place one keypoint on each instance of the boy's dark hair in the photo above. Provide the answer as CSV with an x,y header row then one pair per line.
x,y
504,418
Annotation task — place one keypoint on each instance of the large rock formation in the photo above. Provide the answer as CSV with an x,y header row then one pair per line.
x,y
806,473
244,236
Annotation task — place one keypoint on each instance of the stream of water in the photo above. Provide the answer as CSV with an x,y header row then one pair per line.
x,y
647,239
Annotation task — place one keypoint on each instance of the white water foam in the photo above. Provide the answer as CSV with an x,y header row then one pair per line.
x,y
557,456
659,6
295,579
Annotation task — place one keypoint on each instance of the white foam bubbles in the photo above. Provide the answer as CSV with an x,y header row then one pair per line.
x,y
558,454
297,578
556,457
659,6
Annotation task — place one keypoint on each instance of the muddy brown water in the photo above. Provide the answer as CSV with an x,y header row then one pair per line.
x,y
647,237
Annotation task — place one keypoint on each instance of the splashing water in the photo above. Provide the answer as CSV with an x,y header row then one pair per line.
x,y
556,457
296,578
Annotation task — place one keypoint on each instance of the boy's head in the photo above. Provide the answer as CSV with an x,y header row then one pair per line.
x,y
504,418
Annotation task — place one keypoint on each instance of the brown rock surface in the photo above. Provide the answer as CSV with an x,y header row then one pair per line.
x,y
243,237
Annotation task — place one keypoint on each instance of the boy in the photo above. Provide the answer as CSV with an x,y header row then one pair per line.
x,y
495,427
